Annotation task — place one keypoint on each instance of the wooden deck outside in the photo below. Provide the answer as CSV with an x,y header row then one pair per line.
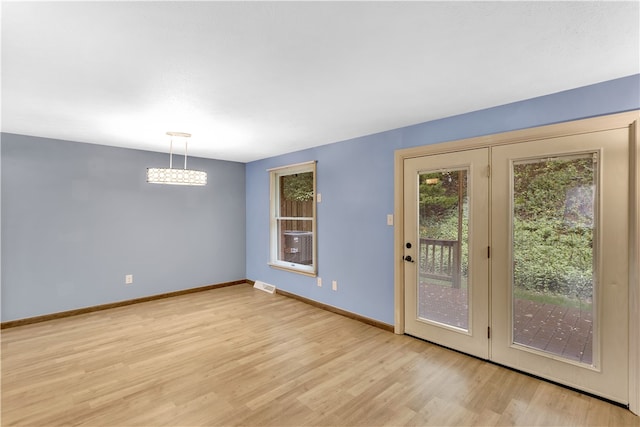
x,y
564,331
560,330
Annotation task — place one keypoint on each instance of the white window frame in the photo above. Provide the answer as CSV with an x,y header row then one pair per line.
x,y
274,217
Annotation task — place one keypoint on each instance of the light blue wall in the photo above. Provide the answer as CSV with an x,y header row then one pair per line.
x,y
77,217
355,178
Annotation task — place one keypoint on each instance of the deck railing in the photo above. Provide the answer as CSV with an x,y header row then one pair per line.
x,y
440,259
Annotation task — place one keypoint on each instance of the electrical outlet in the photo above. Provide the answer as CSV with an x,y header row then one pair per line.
x,y
319,282
334,285
128,279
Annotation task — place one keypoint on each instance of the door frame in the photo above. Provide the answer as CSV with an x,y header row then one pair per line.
x,y
629,120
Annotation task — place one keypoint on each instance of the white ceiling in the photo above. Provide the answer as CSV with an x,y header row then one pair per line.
x,y
251,80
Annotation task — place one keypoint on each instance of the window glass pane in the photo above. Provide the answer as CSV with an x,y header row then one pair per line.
x,y
295,240
554,211
443,254
296,195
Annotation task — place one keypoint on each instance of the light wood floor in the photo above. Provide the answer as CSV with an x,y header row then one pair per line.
x,y
238,356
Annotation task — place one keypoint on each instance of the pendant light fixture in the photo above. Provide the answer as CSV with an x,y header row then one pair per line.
x,y
174,176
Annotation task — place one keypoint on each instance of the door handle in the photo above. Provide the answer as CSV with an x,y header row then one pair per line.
x,y
408,258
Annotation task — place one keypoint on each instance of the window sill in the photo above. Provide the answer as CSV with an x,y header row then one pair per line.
x,y
310,273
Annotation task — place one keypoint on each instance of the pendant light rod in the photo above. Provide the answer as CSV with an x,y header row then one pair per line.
x,y
186,137
170,152
186,142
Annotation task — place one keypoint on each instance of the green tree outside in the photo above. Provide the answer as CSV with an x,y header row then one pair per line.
x,y
553,224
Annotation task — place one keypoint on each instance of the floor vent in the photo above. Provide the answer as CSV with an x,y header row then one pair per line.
x,y
264,287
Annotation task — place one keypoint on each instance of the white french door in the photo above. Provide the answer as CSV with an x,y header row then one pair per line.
x,y
445,249
565,319
536,250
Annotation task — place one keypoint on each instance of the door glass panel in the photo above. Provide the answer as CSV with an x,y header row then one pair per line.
x,y
443,295
553,278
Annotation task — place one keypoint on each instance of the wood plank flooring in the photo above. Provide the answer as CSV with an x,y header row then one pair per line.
x,y
238,356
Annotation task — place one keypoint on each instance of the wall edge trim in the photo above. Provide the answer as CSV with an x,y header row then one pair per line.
x,y
91,309
369,321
